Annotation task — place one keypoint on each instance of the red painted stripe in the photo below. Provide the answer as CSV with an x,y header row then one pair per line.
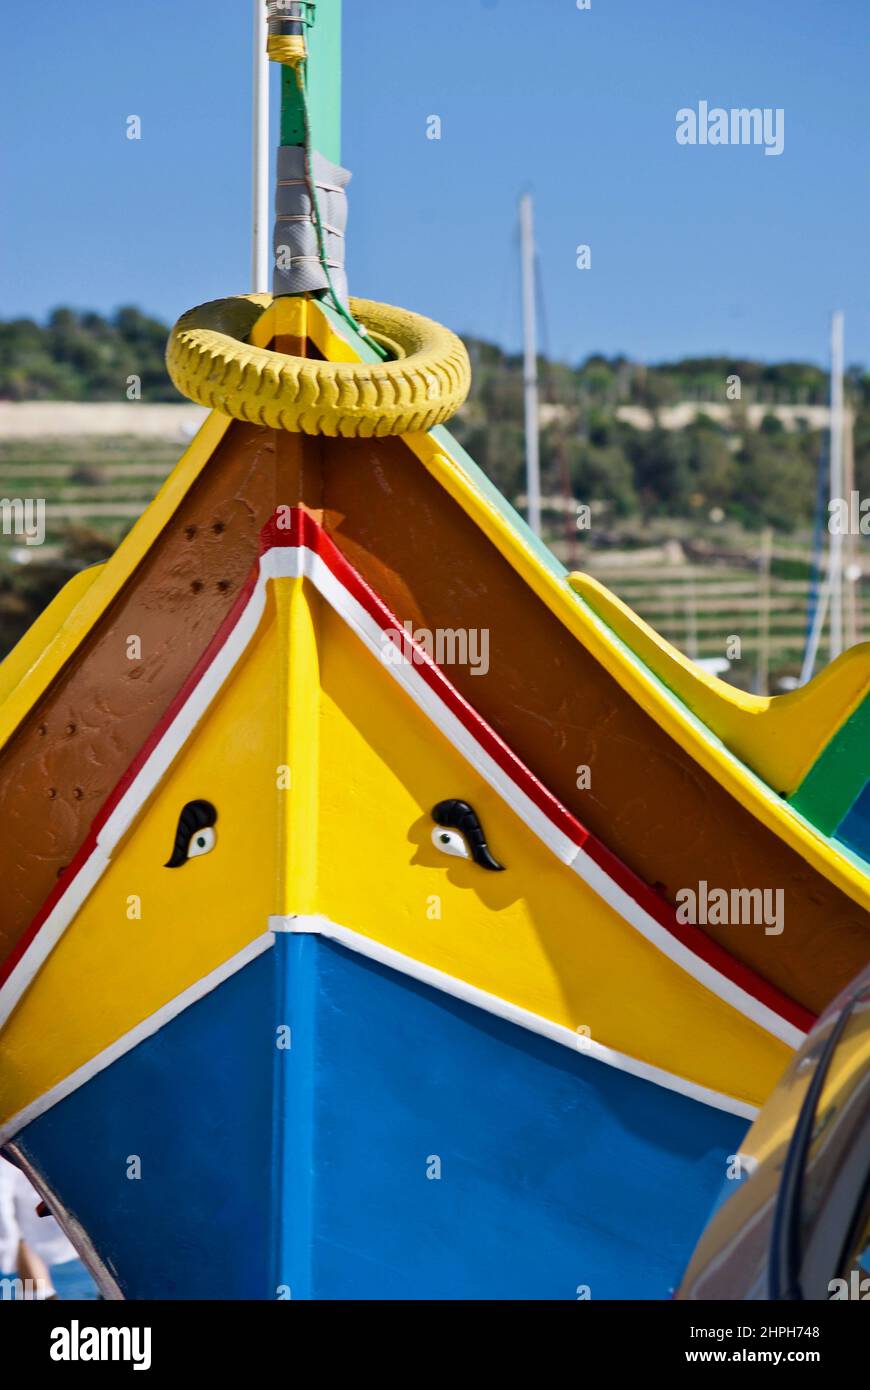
x,y
295,528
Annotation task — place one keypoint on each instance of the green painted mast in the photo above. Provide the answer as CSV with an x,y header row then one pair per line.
x,y
320,25
323,38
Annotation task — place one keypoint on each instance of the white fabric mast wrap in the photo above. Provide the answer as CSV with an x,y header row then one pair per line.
x,y
297,256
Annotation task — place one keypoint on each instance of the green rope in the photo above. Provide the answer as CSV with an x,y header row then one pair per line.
x,y
302,80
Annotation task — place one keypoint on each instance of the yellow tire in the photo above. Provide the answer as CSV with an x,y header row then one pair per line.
x,y
210,362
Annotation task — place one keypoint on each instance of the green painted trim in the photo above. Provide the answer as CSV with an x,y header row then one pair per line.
x,y
292,120
839,775
324,87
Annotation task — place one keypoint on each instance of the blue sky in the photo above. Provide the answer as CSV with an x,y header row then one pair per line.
x,y
695,250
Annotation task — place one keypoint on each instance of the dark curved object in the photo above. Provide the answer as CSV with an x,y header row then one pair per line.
x,y
784,1261
196,815
458,815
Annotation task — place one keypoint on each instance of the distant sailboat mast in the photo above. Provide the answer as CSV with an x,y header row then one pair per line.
x,y
530,366
261,230
829,601
835,551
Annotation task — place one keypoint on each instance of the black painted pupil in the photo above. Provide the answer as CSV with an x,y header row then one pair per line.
x,y
445,839
200,840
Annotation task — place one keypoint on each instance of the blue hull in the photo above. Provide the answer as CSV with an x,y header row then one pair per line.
x,y
406,1145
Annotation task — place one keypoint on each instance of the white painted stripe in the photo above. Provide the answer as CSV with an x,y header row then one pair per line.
x,y
297,924
146,1029
285,562
513,1013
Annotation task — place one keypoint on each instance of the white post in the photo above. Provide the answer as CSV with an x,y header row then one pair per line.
x,y
815,637
851,562
260,160
835,543
530,367
765,557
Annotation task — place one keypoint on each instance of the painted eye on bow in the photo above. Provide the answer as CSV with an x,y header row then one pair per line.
x,y
450,842
195,835
459,832
202,842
